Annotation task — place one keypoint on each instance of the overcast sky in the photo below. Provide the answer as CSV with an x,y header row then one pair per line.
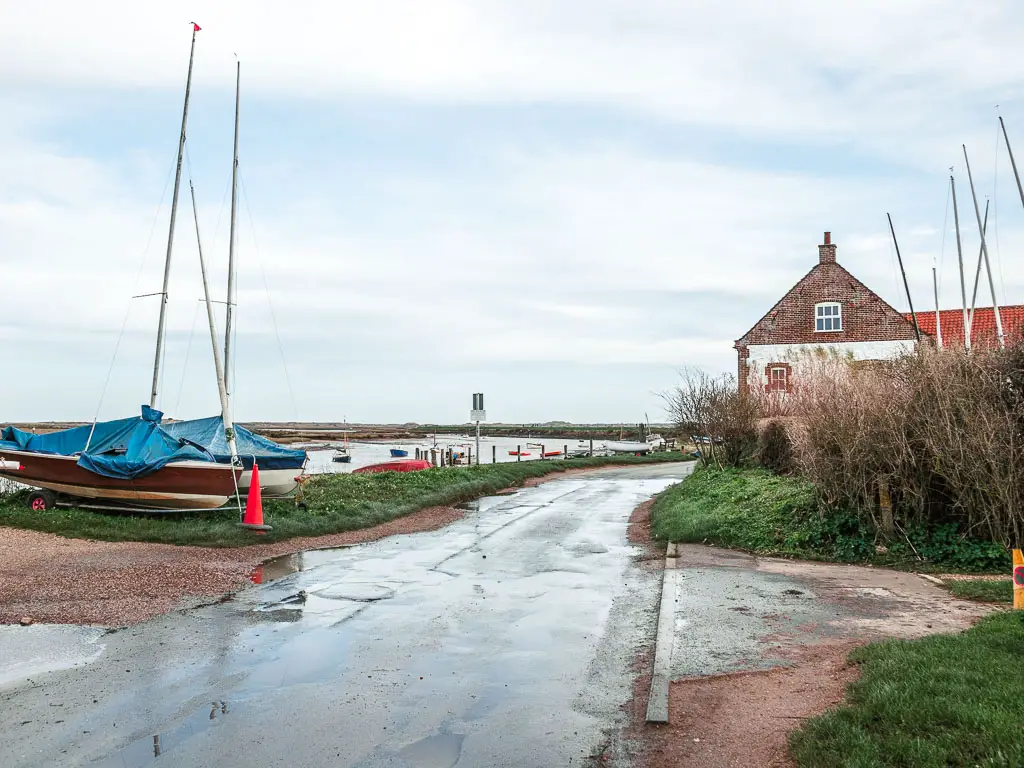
x,y
556,203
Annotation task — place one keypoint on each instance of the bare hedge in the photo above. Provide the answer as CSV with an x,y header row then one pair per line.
x,y
942,429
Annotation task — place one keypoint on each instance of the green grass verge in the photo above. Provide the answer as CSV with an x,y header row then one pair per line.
x,y
336,503
947,700
758,511
995,591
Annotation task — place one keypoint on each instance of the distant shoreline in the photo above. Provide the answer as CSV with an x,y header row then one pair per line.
x,y
295,432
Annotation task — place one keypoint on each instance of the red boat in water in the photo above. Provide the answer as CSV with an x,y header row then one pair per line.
x,y
404,465
518,453
548,454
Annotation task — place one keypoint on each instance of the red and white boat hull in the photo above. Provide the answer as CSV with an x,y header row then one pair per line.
x,y
180,485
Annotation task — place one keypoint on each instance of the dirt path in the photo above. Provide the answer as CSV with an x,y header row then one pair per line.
x,y
772,652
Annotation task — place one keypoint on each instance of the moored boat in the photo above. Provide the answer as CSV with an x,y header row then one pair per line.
x,y
518,453
628,447
398,453
404,465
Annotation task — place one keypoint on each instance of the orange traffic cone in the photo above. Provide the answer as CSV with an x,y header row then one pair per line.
x,y
254,504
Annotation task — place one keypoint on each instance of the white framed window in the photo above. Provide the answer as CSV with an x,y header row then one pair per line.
x,y
828,316
778,378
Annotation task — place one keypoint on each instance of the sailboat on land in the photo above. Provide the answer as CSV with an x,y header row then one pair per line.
x,y
280,467
135,461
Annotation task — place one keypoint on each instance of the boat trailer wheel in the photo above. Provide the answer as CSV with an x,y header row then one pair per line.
x,y
41,501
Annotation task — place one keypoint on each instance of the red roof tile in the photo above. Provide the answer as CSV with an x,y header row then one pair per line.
x,y
983,326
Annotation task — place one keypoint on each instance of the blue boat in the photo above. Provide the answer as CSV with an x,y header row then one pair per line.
x,y
398,453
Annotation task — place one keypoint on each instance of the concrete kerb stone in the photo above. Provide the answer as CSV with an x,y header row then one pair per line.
x,y
657,700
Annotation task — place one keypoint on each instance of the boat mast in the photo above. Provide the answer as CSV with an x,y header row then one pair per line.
x,y
984,251
231,241
906,287
170,233
977,272
960,259
938,320
1006,138
225,411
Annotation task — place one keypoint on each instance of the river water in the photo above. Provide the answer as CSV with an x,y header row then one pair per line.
x,y
492,449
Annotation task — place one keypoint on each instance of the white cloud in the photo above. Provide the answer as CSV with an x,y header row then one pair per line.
x,y
531,251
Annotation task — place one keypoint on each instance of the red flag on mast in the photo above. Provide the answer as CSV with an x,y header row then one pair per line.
x,y
195,27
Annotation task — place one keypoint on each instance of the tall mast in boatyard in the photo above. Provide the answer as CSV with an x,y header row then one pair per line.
x,y
1013,163
170,233
984,251
960,259
231,245
913,314
225,410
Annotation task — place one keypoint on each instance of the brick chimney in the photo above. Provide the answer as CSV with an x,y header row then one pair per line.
x,y
827,251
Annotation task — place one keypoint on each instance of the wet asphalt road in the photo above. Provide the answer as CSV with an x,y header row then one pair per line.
x,y
505,639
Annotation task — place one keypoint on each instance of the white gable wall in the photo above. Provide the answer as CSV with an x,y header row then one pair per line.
x,y
799,355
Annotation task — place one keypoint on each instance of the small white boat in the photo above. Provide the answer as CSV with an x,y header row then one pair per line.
x,y
627,447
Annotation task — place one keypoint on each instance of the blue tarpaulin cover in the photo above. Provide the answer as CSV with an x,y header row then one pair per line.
x,y
209,433
125,448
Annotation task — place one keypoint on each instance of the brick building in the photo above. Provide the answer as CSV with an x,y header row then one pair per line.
x,y
830,310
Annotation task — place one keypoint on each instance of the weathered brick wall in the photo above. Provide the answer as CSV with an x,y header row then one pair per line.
x,y
865,316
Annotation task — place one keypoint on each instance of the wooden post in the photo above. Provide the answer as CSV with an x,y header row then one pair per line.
x,y
469,455
591,447
433,456
519,453
885,504
565,451
494,454
542,451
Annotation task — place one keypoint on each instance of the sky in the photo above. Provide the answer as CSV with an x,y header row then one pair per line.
x,y
558,204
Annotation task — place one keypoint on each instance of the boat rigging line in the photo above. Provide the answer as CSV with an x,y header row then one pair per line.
x,y
128,309
270,302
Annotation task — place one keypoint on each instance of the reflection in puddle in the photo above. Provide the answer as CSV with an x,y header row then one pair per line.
x,y
144,750
277,568
440,751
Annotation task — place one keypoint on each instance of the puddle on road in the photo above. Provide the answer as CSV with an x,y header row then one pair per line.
x,y
28,652
440,751
357,592
285,565
146,749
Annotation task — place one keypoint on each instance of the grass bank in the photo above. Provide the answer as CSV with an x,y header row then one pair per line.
x,y
996,591
758,511
948,700
335,503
